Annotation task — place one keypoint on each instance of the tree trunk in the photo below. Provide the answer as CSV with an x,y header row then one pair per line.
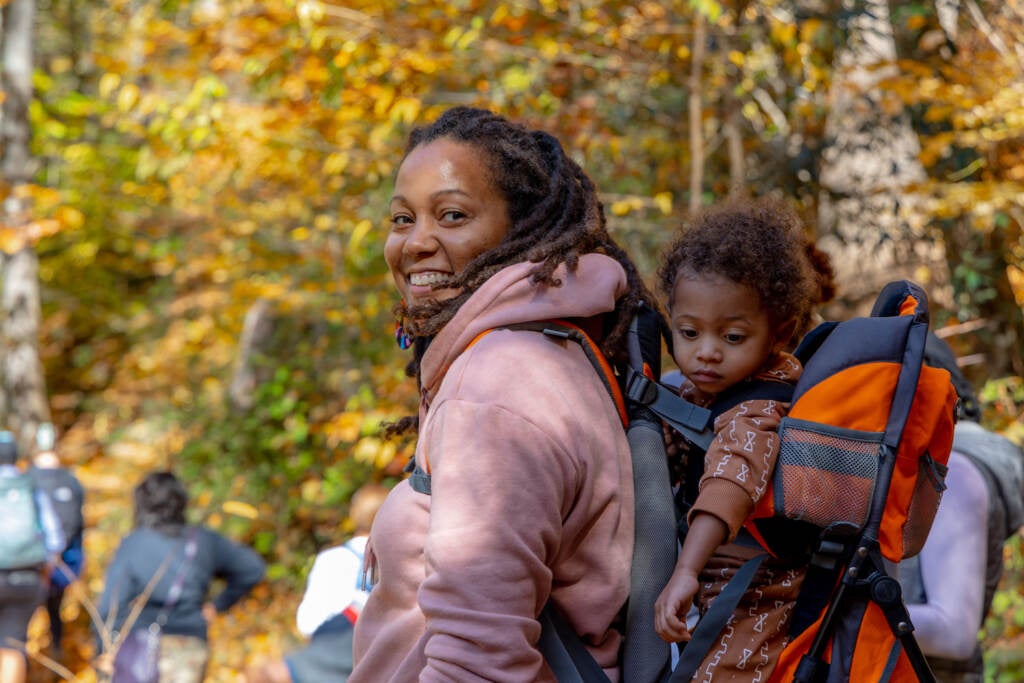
x,y
867,216
24,385
256,333
696,112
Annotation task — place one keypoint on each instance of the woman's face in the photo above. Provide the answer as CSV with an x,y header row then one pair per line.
x,y
445,212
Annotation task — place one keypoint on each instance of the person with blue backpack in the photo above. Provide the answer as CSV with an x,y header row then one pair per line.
x,y
67,496
31,539
741,281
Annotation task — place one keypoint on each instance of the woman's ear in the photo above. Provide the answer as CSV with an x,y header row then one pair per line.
x,y
784,334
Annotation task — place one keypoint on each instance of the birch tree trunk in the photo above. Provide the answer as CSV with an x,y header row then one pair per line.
x,y
24,385
868,216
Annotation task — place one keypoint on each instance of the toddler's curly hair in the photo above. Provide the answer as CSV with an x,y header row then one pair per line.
x,y
759,243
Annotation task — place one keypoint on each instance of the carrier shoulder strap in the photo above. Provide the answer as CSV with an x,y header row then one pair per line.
x,y
705,635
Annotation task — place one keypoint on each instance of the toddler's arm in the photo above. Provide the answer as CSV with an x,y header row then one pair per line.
x,y
706,533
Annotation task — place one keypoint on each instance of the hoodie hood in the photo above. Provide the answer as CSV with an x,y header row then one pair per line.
x,y
509,297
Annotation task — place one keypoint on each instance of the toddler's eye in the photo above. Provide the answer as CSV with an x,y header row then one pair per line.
x,y
733,338
688,334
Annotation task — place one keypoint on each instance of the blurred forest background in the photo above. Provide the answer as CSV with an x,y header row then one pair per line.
x,y
193,218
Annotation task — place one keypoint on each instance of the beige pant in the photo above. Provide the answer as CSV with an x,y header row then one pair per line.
x,y
183,659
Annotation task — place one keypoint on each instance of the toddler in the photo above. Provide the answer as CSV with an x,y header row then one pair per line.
x,y
742,282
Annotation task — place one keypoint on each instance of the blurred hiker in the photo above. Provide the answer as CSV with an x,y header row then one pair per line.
x,y
169,564
949,586
30,541
522,494
336,591
67,495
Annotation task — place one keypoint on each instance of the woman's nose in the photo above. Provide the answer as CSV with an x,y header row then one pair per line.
x,y
421,239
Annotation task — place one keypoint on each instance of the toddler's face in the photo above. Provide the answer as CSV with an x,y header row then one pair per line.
x,y
721,333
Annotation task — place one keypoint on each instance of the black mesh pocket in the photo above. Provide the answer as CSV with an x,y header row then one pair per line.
x,y
825,475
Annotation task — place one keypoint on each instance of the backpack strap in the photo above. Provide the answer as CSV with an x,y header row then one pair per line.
x,y
564,651
714,620
191,548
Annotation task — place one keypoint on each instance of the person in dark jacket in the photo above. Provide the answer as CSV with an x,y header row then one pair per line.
x,y
67,495
148,563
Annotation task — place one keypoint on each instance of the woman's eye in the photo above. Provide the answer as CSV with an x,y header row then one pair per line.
x,y
452,215
401,219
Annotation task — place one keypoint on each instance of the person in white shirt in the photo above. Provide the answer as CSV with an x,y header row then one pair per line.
x,y
336,590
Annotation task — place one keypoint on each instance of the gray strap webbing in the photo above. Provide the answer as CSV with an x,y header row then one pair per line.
x,y
712,623
564,651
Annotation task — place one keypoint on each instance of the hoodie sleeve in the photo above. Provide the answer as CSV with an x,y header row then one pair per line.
x,y
498,488
239,566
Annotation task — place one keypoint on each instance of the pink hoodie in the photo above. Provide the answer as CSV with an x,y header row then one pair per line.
x,y
532,496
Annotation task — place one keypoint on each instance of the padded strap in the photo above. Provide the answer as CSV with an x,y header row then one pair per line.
x,y
712,623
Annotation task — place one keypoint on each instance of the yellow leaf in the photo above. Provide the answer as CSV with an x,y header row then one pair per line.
x,y
335,163
128,96
664,202
499,14
359,233
70,216
405,110
300,234
108,83
367,449
240,509
620,208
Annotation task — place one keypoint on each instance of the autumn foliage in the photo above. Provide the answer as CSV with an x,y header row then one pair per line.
x,y
210,184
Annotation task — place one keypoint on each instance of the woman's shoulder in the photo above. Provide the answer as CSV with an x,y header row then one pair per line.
x,y
521,366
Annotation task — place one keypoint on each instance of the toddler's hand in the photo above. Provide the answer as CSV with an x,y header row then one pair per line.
x,y
671,608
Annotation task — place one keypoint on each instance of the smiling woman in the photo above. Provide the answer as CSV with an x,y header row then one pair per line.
x,y
445,213
530,497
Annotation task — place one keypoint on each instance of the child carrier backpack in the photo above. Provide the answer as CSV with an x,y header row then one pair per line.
x,y
860,470
22,543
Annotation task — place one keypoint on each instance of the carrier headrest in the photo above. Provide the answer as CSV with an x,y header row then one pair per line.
x,y
901,297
